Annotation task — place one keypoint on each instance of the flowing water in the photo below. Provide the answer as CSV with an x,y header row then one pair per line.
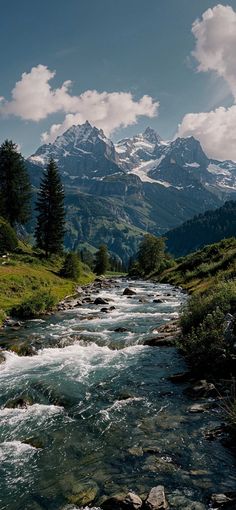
x,y
104,416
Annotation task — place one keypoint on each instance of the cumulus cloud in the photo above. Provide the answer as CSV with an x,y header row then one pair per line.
x,y
215,130
33,98
105,110
215,35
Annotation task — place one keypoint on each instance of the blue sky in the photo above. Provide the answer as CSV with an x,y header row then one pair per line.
x,y
107,45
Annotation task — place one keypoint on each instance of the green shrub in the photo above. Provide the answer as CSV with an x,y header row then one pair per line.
x,y
71,267
8,239
202,323
34,306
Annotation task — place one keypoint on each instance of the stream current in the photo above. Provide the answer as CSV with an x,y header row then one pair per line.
x,y
104,416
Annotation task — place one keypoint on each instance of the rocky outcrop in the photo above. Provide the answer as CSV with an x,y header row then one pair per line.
x,y
167,334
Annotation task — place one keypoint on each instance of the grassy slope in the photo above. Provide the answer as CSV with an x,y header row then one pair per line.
x,y
203,269
21,275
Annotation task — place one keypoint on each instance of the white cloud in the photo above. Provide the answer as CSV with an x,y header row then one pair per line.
x,y
105,110
34,99
215,130
215,36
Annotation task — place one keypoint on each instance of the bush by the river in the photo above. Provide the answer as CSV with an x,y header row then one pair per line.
x,y
203,324
36,305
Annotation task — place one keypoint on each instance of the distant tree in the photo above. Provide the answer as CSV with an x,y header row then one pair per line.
x,y
72,266
151,253
50,227
101,260
87,257
15,189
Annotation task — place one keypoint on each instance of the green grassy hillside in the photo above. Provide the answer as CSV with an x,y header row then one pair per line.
x,y
203,269
24,274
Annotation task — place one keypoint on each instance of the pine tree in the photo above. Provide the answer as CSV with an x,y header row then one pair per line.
x,y
50,227
15,189
101,260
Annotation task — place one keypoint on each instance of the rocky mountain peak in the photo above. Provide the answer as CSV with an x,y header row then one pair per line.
x,y
151,135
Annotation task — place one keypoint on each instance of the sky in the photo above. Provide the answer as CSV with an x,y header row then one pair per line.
x,y
123,65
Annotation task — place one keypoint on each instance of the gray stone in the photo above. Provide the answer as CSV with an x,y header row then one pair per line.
x,y
198,408
132,501
100,301
129,292
220,500
156,499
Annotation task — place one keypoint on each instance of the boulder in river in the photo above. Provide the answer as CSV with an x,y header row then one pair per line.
x,y
2,358
198,408
83,494
100,301
202,389
21,402
164,340
129,292
158,300
22,349
227,500
156,499
121,501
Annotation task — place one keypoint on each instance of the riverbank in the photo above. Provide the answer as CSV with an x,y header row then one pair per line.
x,y
25,274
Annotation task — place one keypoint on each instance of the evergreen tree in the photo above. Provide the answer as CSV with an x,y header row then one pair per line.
x,y
72,266
50,227
101,260
15,190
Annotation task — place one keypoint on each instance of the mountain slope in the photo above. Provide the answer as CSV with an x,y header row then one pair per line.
x,y
207,228
141,184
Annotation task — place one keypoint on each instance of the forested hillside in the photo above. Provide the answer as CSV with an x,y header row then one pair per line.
x,y
209,227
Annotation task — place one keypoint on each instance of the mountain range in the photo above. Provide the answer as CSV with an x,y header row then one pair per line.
x,y
117,192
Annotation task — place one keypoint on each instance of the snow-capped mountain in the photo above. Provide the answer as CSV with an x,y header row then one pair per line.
x,y
117,192
139,149
83,151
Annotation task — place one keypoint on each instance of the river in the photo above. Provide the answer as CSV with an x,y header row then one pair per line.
x,y
103,416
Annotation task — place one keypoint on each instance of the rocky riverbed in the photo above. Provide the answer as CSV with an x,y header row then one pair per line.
x,y
98,409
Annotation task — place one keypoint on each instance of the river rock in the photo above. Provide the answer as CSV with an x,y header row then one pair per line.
x,y
164,340
179,501
128,501
83,495
2,358
132,501
104,310
129,292
158,300
100,301
198,408
156,499
221,500
19,403
201,388
120,330
22,349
